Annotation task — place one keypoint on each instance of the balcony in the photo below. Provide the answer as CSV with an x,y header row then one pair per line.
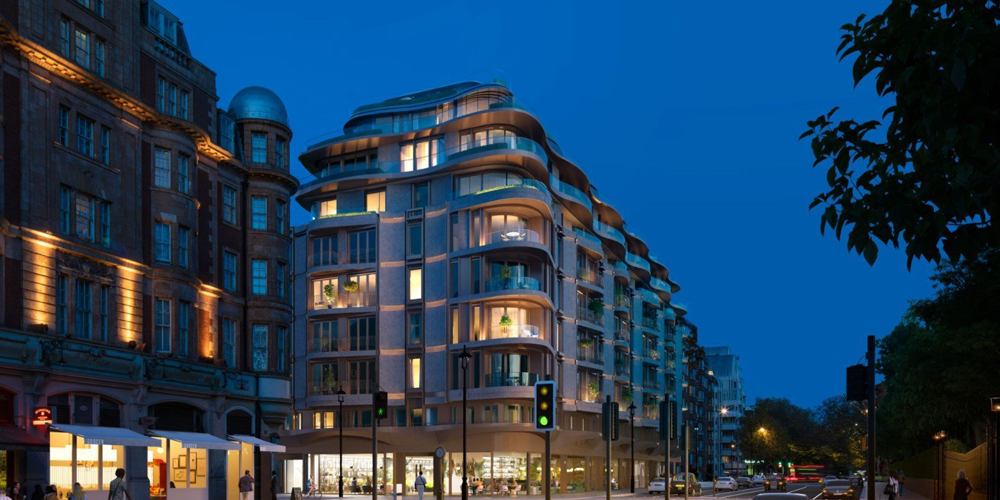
x,y
524,379
569,192
522,184
651,384
588,240
512,236
621,367
513,332
590,353
585,314
648,296
588,275
609,232
636,261
619,268
659,285
623,334
341,299
518,283
650,353
357,343
651,322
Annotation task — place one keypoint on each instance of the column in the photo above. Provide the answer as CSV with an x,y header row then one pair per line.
x,y
136,475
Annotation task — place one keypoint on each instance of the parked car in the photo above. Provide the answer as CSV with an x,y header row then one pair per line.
x,y
743,482
657,485
838,489
678,483
726,483
758,480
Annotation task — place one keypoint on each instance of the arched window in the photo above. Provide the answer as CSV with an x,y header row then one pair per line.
x,y
239,422
177,417
85,409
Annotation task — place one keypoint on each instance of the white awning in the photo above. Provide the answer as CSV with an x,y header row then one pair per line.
x,y
259,443
107,435
197,440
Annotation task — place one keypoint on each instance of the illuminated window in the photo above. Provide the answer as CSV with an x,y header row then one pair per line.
x,y
375,201
416,283
325,208
83,48
415,373
419,155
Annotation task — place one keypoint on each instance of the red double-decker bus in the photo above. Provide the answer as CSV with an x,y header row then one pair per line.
x,y
806,473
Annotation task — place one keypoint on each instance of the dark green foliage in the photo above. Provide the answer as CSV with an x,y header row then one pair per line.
x,y
931,183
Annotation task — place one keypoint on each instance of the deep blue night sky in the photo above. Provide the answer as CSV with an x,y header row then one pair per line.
x,y
685,114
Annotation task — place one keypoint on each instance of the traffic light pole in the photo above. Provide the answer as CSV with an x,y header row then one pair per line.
x,y
870,480
666,452
547,466
608,425
687,458
375,419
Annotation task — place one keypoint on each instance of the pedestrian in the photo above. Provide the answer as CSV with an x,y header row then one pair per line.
x,y
274,485
246,485
117,489
902,479
15,491
37,493
892,485
77,493
50,492
420,483
4,496
962,486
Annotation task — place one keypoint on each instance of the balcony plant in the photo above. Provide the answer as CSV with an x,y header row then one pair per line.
x,y
586,343
596,306
594,389
329,382
330,292
586,274
506,276
626,395
505,322
350,287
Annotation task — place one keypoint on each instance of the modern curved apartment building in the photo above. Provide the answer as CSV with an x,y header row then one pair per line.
x,y
448,220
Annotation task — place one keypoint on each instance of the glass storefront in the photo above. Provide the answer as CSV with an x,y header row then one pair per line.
x,y
499,473
325,469
95,464
177,472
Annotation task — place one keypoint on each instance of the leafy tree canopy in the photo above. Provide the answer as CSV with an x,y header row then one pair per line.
x,y
932,183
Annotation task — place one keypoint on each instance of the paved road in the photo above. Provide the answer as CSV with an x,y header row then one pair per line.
x,y
811,490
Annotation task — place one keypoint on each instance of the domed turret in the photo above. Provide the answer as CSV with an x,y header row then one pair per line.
x,y
258,103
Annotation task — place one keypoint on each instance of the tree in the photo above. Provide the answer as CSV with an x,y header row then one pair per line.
x,y
843,428
931,184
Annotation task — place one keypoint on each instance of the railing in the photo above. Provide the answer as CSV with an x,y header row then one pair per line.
x,y
513,332
523,183
592,354
648,296
524,379
651,384
621,368
331,258
651,322
622,300
513,235
651,352
571,192
609,232
588,275
583,235
619,267
342,344
587,315
659,284
344,299
519,283
636,261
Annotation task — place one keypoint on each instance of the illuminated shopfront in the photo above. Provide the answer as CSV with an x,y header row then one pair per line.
x,y
241,459
325,469
89,456
178,464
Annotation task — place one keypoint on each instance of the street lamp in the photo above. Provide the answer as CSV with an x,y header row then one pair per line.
x,y
340,419
464,360
993,450
631,426
718,443
939,488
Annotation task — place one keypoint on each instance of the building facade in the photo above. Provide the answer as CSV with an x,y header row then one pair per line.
x,y
444,222
733,398
701,411
145,255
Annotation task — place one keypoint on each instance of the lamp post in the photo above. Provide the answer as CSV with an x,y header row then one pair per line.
x,y
340,423
464,360
718,442
939,438
992,453
631,426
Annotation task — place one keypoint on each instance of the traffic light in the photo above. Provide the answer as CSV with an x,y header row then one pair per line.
x,y
857,383
609,426
381,404
545,405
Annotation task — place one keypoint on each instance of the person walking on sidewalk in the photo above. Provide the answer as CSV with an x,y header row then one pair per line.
x,y
892,486
420,483
245,485
962,486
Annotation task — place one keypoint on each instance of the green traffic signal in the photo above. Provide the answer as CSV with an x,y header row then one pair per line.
x,y
544,421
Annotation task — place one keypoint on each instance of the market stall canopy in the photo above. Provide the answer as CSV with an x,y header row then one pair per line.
x,y
106,435
259,443
197,440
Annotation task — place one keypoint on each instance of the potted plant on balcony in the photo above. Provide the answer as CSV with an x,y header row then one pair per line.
x,y
506,276
626,395
620,299
330,292
594,389
505,323
596,306
586,274
350,287
586,343
329,382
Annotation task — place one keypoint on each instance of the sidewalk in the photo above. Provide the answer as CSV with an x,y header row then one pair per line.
x,y
880,487
584,495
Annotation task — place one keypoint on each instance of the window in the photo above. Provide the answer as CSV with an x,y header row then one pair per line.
x,y
324,338
183,244
362,246
161,95
64,126
281,349
99,49
258,269
105,223
83,320
228,205
260,348
480,138
476,273
65,200
414,239
64,35
106,145
226,132
453,271
229,342
375,201
85,216
172,99
182,109
279,153
161,167
415,373
104,309
161,245
83,48
325,208
454,325
183,174
362,333
258,212
454,232
84,135
258,147
422,154
421,195
324,251
183,327
416,328
473,184
281,271
62,282
361,375
416,283
324,379
280,214
228,270
162,313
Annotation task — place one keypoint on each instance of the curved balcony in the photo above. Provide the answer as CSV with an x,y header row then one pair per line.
x,y
526,192
522,184
588,241
622,302
680,308
517,379
648,296
659,285
503,284
608,232
623,337
636,261
513,236
584,209
513,332
620,269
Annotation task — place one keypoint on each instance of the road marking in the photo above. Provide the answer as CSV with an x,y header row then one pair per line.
x,y
738,492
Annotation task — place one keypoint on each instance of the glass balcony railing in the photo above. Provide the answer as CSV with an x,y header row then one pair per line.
x,y
619,267
622,334
344,299
636,261
513,235
523,183
609,232
516,283
659,284
585,314
585,236
571,192
519,379
621,367
650,352
651,384
590,353
513,332
651,322
588,275
648,296
622,300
